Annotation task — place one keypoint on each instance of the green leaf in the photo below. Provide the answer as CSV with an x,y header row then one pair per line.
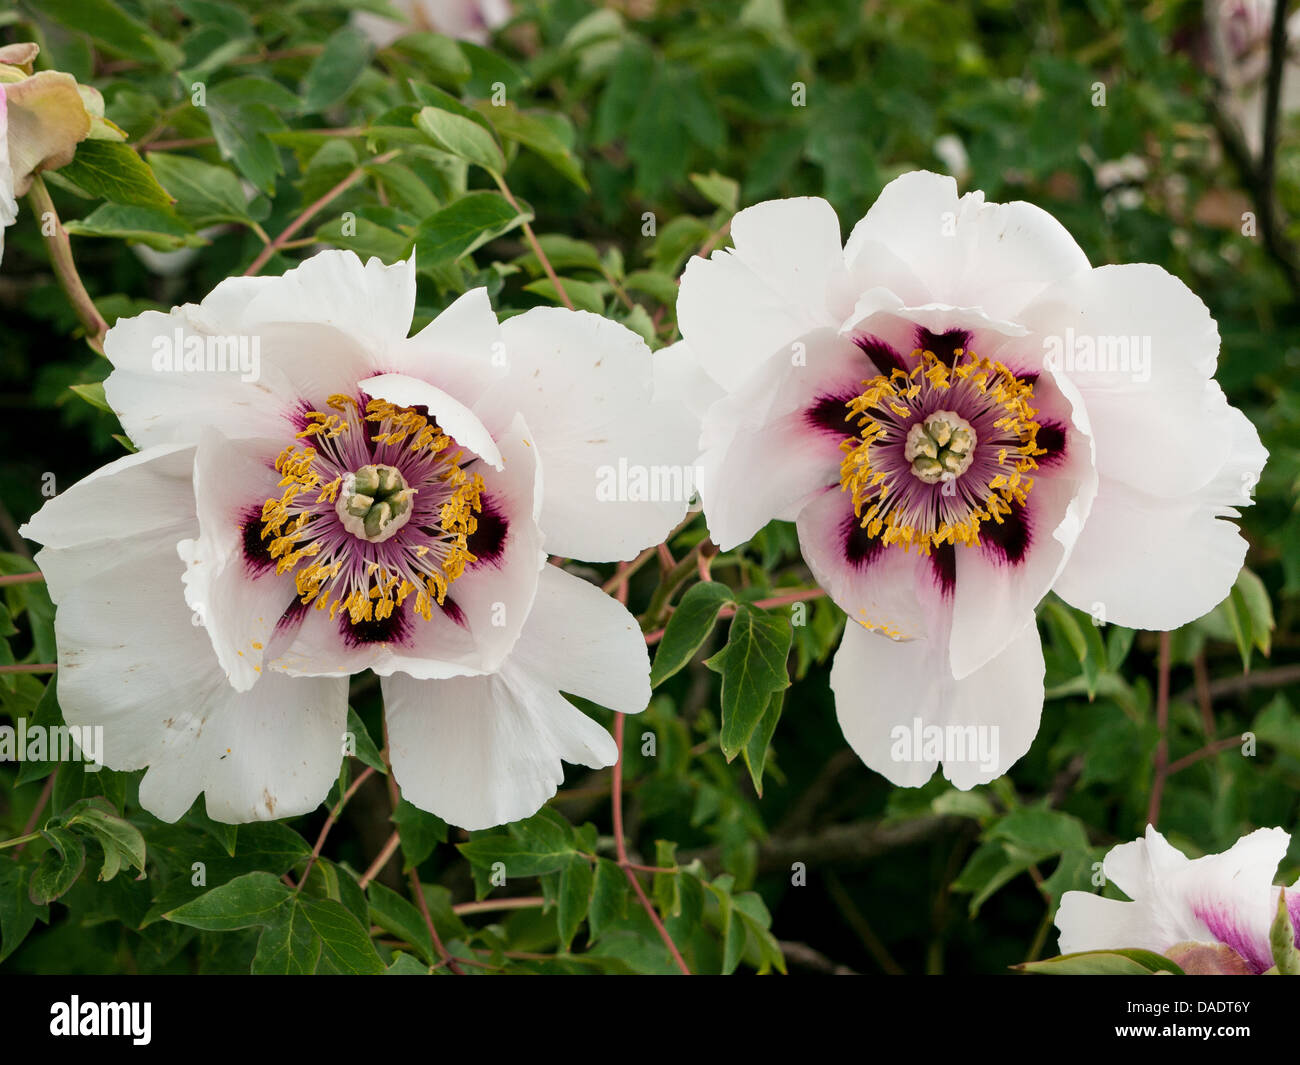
x,y
317,936
204,193
723,192
609,897
463,226
752,666
160,230
250,901
575,897
366,751
689,627
1103,963
440,57
18,914
337,69
113,28
1282,939
93,393
461,137
657,285
399,917
585,295
115,172
420,832
120,840
757,747
59,867
543,133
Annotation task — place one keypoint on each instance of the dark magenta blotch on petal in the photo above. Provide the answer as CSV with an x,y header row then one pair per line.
x,y
860,549
943,562
1051,437
393,629
1010,540
883,354
487,543
830,414
944,345
257,550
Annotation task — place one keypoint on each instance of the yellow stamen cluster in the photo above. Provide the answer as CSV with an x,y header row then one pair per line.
x,y
427,569
871,488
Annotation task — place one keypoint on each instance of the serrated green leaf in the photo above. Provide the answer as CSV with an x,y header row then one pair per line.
x,y
689,627
752,666
115,172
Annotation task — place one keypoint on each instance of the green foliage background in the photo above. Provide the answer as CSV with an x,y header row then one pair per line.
x,y
683,112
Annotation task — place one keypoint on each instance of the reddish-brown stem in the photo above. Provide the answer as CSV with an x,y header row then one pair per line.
x,y
621,847
312,208
1162,723
362,777
381,859
60,249
22,578
531,237
39,809
1215,747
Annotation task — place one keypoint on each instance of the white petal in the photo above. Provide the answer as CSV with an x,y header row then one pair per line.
x,y
1151,562
893,698
453,417
484,751
679,377
132,663
239,602
762,458
581,641
742,305
460,351
967,252
90,527
584,385
1156,413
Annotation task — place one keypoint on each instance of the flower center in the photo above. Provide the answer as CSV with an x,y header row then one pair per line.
x,y
377,508
940,448
374,502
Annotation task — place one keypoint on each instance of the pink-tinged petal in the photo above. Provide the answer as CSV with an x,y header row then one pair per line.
x,y
744,304
1223,898
774,443
485,608
237,595
903,712
484,751
966,252
618,465
1152,562
579,640
895,591
47,119
8,203
453,417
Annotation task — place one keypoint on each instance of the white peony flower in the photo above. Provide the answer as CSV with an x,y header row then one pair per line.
x,y
343,497
1210,914
960,414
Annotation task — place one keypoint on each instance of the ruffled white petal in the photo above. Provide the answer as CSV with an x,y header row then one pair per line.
x,y
484,751
966,252
903,712
453,417
762,458
744,304
618,465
